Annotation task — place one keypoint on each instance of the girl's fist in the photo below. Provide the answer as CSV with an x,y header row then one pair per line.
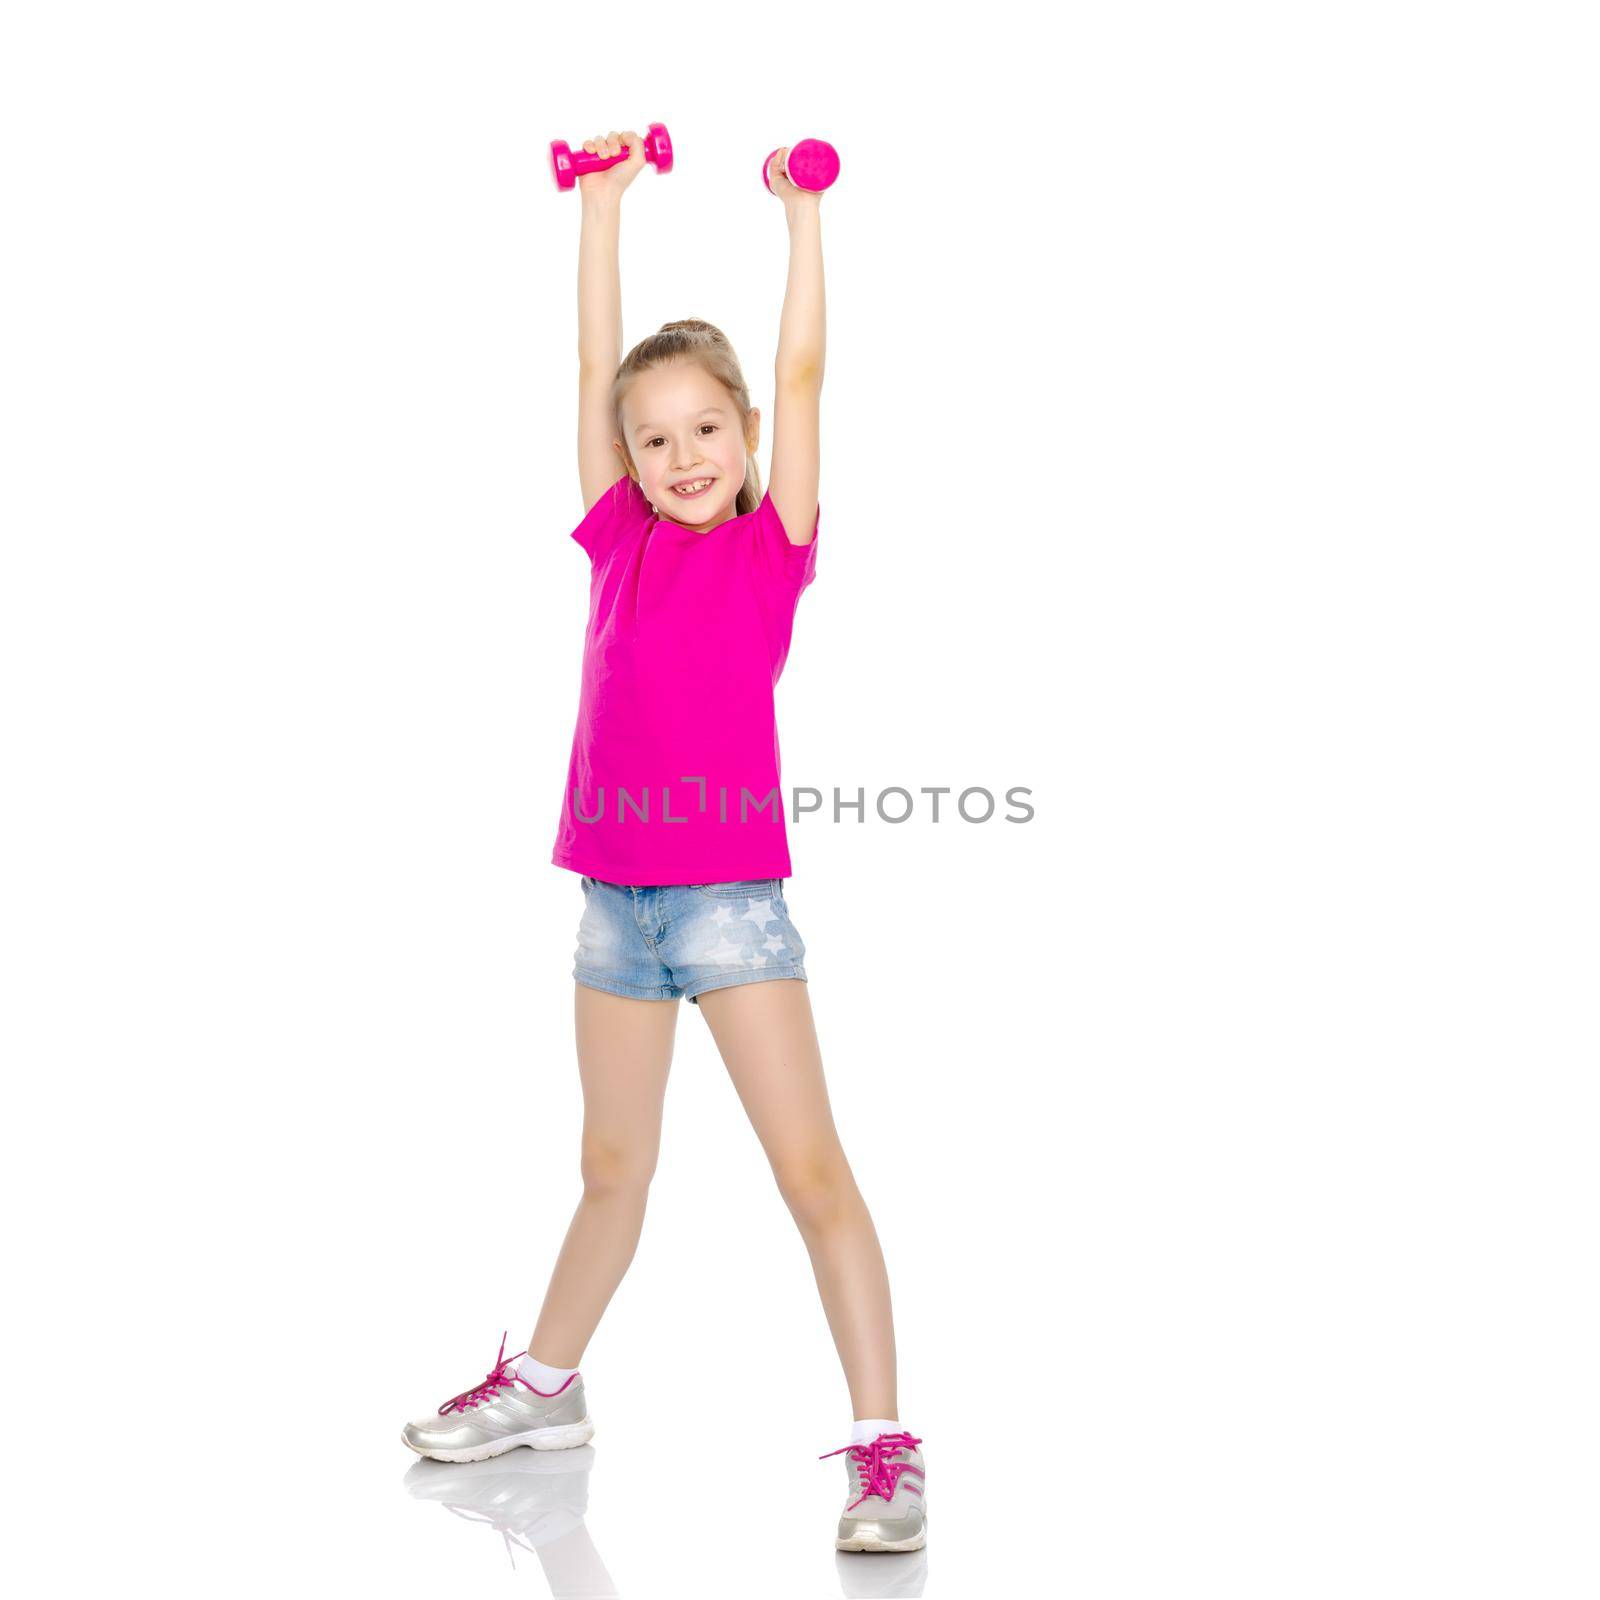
x,y
780,182
616,178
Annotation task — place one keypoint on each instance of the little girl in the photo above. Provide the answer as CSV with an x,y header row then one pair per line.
x,y
675,822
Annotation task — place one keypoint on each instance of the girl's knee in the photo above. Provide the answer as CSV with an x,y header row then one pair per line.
x,y
613,1168
818,1188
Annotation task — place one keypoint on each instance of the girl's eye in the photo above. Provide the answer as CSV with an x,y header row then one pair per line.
x,y
659,440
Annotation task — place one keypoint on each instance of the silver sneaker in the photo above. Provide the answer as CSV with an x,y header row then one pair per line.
x,y
499,1414
886,1509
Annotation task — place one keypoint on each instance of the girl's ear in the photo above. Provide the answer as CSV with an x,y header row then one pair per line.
x,y
752,432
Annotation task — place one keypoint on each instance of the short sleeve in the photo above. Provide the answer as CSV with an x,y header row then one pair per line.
x,y
782,567
621,510
782,570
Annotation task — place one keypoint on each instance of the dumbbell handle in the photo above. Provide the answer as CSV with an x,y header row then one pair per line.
x,y
569,165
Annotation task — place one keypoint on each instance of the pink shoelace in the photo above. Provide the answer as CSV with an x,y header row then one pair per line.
x,y
483,1393
878,1472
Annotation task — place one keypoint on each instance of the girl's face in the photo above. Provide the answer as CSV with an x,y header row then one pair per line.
x,y
682,433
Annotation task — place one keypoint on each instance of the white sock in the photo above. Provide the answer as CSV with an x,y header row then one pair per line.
x,y
545,1379
867,1429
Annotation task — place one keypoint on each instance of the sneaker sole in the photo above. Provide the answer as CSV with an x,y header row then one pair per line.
x,y
867,1542
568,1437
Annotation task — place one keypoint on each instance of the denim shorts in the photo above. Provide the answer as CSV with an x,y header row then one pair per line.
x,y
676,940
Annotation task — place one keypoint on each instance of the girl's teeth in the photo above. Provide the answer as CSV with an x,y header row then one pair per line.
x,y
690,488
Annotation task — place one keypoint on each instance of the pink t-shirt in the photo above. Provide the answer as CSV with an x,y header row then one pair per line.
x,y
675,757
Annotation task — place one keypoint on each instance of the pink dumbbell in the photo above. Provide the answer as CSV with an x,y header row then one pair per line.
x,y
569,165
813,164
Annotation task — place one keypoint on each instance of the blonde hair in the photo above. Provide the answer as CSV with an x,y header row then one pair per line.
x,y
707,346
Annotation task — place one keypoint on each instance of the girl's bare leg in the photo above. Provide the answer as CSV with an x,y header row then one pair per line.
x,y
624,1054
768,1043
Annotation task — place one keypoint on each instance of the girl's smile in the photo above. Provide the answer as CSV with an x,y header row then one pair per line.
x,y
693,489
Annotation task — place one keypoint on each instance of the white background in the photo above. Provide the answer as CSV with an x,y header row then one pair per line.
x,y
1209,447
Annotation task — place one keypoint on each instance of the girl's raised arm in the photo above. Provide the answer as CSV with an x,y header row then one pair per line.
x,y
600,310
802,341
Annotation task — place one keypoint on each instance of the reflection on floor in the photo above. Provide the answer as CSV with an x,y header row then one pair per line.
x,y
536,1500
532,1498
876,1576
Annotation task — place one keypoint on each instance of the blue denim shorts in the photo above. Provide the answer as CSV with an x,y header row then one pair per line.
x,y
676,940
